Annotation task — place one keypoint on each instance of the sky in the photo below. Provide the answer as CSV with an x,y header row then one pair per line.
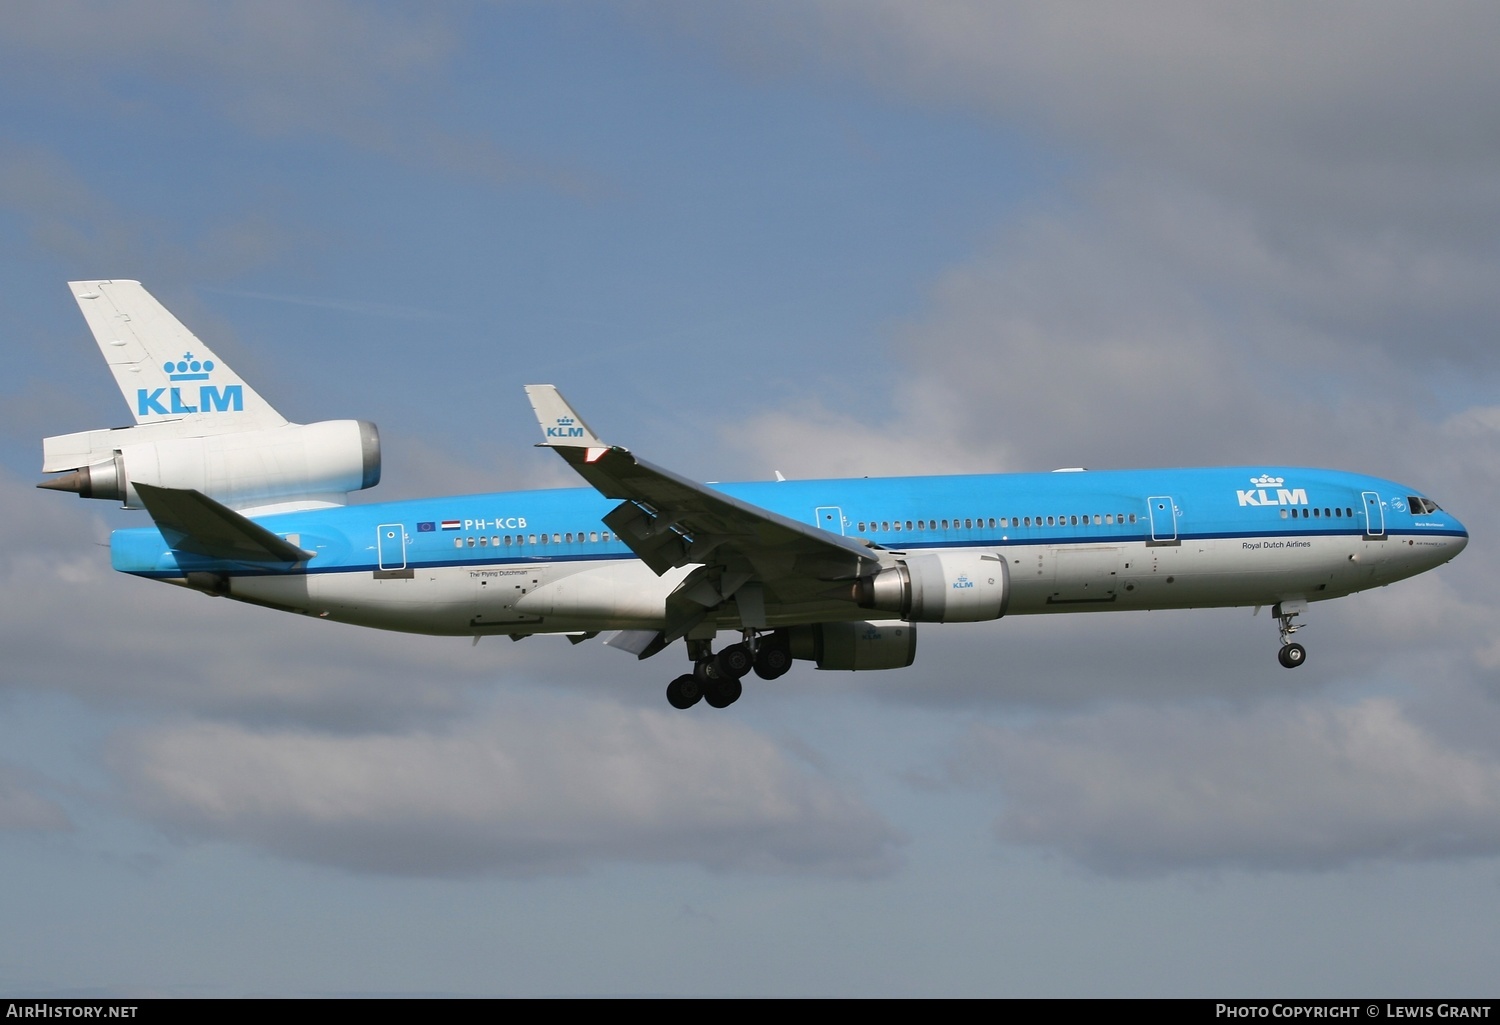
x,y
822,238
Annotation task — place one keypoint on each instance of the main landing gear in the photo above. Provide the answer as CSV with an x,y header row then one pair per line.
x,y
716,677
1291,654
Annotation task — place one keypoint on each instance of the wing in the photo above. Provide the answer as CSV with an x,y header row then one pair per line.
x,y
747,554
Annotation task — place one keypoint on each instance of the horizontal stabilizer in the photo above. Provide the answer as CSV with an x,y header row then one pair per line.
x,y
192,522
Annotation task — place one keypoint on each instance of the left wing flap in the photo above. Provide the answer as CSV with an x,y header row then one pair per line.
x,y
192,522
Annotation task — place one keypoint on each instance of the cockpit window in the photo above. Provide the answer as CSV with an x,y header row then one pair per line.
x,y
1422,506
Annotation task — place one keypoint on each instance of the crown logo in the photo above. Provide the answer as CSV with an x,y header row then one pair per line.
x,y
565,421
1265,480
188,369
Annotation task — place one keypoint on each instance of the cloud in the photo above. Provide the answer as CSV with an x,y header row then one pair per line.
x,y
1292,785
526,791
1331,165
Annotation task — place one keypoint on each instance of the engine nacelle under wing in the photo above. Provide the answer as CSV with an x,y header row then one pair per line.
x,y
308,464
855,645
946,587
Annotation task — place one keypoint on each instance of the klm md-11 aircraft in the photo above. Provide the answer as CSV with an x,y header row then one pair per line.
x,y
836,572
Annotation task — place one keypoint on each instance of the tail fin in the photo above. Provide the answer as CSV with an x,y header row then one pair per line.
x,y
199,427
164,371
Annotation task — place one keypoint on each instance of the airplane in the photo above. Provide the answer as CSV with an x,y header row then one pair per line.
x,y
248,506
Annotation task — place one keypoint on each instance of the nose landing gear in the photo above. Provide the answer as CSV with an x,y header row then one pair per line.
x,y
1291,654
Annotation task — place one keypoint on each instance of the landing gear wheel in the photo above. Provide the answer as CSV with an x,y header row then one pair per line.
x,y
705,672
733,662
684,691
771,661
1292,655
722,693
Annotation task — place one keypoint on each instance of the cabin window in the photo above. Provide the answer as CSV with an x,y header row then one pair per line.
x,y
484,542
1283,514
885,525
1338,512
458,542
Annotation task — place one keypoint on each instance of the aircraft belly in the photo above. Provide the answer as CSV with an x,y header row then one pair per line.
x,y
1196,573
429,602
545,597
620,595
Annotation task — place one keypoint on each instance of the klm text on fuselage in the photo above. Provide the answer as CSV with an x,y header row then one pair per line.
x,y
1284,496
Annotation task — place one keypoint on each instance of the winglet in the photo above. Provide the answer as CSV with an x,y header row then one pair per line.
x,y
561,426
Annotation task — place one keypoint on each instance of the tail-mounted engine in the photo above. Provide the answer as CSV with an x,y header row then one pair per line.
x,y
946,587
305,464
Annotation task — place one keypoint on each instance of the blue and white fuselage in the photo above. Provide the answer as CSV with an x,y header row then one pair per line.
x,y
543,561
837,572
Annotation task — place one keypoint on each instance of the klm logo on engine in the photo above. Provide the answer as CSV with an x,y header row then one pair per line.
x,y
566,427
1263,493
963,582
177,399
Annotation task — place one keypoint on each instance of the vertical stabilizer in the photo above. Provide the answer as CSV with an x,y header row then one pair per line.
x,y
165,373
